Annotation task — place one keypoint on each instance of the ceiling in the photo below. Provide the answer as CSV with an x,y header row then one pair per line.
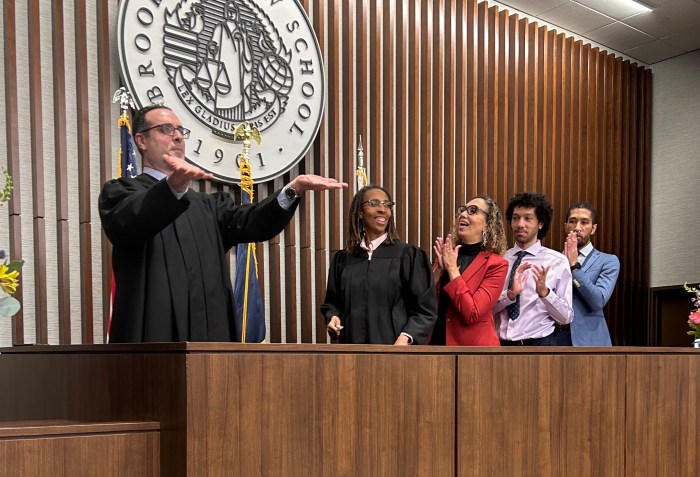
x,y
672,28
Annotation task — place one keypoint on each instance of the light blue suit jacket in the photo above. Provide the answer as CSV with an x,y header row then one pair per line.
x,y
593,285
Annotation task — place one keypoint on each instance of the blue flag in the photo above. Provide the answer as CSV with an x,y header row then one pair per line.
x,y
127,158
126,167
250,312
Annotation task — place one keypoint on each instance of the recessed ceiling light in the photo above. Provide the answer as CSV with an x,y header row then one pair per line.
x,y
637,4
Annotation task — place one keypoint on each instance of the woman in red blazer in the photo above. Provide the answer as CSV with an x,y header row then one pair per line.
x,y
469,273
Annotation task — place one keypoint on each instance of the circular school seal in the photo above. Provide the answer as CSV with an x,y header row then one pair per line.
x,y
218,63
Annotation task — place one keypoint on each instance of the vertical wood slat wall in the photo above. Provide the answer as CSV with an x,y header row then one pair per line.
x,y
452,98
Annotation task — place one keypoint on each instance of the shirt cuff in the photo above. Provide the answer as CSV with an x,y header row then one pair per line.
x,y
284,201
410,338
178,195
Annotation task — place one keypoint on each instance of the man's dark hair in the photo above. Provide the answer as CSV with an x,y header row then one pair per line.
x,y
139,123
543,209
584,205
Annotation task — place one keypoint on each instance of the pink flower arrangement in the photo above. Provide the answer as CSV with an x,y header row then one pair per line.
x,y
694,317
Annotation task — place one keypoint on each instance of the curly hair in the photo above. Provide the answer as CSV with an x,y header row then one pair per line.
x,y
494,232
543,209
356,230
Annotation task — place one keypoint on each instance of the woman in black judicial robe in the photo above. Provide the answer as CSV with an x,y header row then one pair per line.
x,y
380,290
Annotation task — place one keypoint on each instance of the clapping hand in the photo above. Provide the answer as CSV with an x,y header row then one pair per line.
x,y
437,248
571,248
519,279
541,280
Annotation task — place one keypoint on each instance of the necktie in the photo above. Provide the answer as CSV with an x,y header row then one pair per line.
x,y
514,308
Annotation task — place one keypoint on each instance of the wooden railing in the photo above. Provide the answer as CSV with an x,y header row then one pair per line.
x,y
349,410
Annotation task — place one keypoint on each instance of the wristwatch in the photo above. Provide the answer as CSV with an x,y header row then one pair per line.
x,y
291,193
576,266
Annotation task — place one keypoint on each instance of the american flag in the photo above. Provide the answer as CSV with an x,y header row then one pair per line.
x,y
126,161
127,158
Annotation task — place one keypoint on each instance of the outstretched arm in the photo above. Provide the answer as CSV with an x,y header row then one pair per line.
x,y
183,173
306,182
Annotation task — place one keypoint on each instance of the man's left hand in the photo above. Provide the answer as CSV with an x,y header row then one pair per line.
x,y
540,274
571,248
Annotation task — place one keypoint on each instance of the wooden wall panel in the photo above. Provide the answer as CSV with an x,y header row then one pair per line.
x,y
104,27
340,410
657,394
321,414
37,162
61,171
115,454
558,415
452,98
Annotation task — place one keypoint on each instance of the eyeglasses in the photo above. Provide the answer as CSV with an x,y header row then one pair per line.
x,y
376,203
169,130
471,210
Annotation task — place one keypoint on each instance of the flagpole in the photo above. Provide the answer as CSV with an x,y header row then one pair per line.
x,y
361,172
249,283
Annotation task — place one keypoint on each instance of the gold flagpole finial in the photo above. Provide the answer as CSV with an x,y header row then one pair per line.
x,y
361,172
246,132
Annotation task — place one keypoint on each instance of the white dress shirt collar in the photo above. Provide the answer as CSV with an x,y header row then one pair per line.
x,y
373,244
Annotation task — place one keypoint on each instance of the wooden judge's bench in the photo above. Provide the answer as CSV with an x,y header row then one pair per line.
x,y
218,409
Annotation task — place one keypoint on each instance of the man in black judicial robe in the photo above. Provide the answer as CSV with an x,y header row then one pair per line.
x,y
169,242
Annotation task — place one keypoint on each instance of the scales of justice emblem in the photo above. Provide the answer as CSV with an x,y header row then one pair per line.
x,y
228,64
220,63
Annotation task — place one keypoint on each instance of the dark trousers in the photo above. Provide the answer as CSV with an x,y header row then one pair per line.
x,y
557,338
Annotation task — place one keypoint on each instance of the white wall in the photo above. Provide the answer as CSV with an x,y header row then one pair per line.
x,y
675,171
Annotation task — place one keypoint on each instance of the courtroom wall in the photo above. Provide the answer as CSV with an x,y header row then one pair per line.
x,y
452,98
675,197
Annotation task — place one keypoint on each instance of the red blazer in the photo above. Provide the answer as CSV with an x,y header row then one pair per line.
x,y
472,297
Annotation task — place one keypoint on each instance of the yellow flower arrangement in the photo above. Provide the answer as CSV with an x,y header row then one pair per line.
x,y
9,279
9,269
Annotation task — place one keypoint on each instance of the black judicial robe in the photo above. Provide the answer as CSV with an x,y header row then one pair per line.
x,y
172,280
379,299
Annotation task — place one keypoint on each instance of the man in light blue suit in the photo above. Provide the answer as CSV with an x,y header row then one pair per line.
x,y
594,277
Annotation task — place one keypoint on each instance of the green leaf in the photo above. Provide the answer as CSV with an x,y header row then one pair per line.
x,y
8,306
15,265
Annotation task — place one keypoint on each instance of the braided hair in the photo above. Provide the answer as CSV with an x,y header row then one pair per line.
x,y
356,229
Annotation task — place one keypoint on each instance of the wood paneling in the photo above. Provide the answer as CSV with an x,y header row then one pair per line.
x,y
453,98
555,415
61,171
659,390
302,409
14,206
106,147
37,161
320,414
68,455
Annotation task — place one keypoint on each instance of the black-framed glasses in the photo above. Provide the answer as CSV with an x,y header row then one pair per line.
x,y
471,210
376,203
169,130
